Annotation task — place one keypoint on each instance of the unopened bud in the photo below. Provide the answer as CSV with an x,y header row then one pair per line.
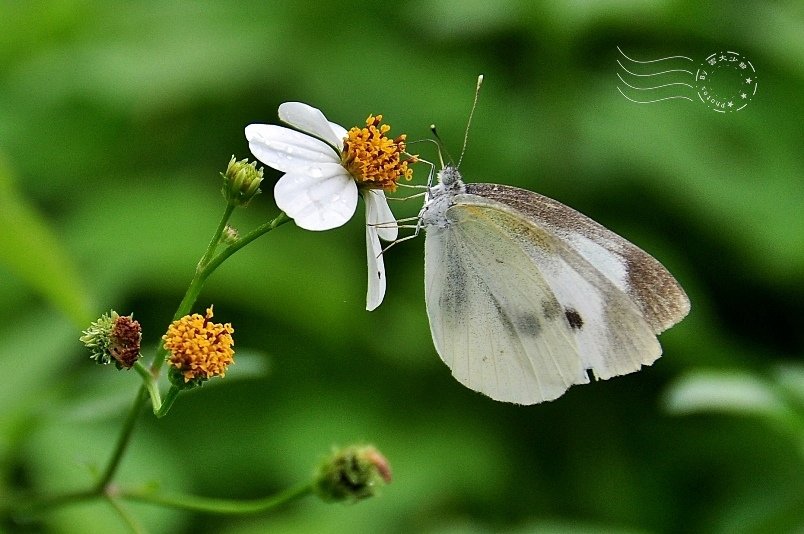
x,y
229,235
241,181
352,473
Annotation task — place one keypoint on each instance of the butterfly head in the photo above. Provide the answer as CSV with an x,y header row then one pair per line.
x,y
449,176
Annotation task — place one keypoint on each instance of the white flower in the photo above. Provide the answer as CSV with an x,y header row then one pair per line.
x,y
325,170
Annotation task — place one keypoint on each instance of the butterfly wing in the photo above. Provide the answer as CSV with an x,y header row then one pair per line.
x,y
484,327
520,315
646,281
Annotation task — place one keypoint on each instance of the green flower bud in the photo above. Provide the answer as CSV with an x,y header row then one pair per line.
x,y
113,337
241,181
351,474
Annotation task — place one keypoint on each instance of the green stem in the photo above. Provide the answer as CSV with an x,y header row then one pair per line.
x,y
130,521
149,384
201,274
122,441
29,508
261,230
220,506
170,398
216,238
99,489
207,267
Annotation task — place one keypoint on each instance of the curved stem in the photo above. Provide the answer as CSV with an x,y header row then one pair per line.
x,y
170,398
149,384
220,506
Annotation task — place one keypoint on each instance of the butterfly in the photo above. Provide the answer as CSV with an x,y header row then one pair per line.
x,y
527,296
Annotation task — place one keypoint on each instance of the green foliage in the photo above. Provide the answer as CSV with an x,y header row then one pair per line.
x,y
30,251
116,119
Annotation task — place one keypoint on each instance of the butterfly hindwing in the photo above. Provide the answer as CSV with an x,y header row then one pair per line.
x,y
489,347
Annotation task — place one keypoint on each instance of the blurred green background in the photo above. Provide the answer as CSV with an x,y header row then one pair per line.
x,y
115,119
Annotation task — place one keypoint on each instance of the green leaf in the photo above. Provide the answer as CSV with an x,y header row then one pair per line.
x,y
33,254
723,391
790,377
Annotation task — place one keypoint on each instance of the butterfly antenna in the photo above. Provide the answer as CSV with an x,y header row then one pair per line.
x,y
469,122
440,144
430,164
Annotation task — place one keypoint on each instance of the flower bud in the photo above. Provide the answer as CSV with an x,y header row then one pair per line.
x,y
229,235
351,474
114,337
241,181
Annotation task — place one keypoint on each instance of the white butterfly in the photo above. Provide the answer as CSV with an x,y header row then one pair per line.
x,y
525,295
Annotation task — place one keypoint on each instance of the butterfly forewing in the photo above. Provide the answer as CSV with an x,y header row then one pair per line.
x,y
653,289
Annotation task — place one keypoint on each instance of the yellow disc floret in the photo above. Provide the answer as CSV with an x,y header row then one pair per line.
x,y
374,160
199,349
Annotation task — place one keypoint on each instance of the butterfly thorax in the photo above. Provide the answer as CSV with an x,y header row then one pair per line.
x,y
440,197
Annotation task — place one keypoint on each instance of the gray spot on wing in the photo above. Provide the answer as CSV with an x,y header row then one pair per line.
x,y
528,324
524,324
453,297
551,309
504,319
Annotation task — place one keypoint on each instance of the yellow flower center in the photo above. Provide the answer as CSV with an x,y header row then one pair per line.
x,y
199,348
374,160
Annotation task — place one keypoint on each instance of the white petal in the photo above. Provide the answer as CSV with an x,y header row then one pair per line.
x,y
325,197
311,120
376,269
379,214
340,132
287,150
